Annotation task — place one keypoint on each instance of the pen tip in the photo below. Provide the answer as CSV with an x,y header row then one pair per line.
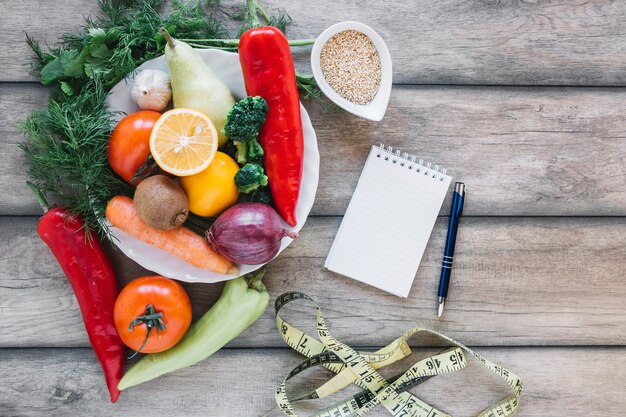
x,y
440,308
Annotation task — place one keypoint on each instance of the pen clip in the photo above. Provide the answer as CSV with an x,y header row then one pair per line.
x,y
460,189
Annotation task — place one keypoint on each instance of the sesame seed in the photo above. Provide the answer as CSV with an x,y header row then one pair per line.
x,y
351,65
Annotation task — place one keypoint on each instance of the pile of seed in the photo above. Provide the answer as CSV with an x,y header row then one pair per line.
x,y
351,66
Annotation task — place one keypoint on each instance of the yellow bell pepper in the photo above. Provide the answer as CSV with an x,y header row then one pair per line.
x,y
213,190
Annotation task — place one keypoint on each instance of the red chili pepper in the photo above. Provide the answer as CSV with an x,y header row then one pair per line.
x,y
92,277
268,72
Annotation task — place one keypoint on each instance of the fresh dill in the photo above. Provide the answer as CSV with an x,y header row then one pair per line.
x,y
126,34
67,148
309,90
111,46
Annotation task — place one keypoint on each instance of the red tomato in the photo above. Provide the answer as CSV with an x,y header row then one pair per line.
x,y
129,145
165,296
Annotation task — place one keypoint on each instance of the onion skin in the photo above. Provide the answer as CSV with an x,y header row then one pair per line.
x,y
248,233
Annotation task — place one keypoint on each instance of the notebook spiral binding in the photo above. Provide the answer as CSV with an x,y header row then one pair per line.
x,y
411,162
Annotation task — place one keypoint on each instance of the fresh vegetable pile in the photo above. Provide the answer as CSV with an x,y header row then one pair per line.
x,y
194,173
195,177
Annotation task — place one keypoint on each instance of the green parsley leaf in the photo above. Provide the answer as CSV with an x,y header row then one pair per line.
x,y
55,69
67,88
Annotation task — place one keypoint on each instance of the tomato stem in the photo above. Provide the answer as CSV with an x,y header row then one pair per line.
x,y
151,319
147,169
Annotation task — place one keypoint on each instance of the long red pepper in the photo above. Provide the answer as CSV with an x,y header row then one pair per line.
x,y
268,72
92,277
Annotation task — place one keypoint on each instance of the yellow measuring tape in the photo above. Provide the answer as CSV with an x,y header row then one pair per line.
x,y
359,368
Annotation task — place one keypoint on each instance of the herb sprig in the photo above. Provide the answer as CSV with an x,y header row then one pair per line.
x,y
127,34
111,46
67,148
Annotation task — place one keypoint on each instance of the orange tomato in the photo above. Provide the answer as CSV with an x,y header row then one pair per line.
x,y
145,301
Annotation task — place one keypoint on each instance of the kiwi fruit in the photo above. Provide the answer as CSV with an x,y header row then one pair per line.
x,y
161,202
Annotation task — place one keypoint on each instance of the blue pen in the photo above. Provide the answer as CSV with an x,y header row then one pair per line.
x,y
458,199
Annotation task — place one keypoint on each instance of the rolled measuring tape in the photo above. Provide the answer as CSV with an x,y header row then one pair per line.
x,y
352,367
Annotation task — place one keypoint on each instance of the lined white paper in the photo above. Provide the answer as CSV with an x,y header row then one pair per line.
x,y
388,222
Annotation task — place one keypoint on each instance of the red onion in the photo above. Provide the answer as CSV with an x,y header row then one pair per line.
x,y
248,233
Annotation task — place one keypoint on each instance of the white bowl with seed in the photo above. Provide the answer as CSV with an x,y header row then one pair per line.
x,y
352,67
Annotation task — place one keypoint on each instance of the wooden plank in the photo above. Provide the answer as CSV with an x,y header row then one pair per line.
x,y
431,42
68,382
517,281
43,20
521,151
17,101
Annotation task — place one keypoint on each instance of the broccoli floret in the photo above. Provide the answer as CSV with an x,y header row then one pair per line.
x,y
250,151
250,177
245,119
262,195
243,123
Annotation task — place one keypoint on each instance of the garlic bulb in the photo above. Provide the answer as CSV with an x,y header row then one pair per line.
x,y
151,90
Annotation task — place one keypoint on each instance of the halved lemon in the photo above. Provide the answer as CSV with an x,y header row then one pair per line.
x,y
183,142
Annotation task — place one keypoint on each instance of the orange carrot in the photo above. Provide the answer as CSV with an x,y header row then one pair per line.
x,y
179,242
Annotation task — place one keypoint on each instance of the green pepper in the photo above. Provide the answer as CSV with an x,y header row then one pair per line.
x,y
242,302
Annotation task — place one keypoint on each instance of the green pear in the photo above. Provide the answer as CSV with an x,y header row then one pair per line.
x,y
195,86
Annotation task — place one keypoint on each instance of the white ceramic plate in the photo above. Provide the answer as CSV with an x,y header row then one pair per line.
x,y
226,66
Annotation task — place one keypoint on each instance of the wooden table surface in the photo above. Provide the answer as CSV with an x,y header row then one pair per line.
x,y
522,100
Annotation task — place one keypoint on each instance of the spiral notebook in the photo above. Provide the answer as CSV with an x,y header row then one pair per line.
x,y
389,220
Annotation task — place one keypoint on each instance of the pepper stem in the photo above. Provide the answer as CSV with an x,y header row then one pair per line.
x,y
39,195
151,319
254,280
253,9
168,37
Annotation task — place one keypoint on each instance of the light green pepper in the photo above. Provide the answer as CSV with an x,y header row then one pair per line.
x,y
242,302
